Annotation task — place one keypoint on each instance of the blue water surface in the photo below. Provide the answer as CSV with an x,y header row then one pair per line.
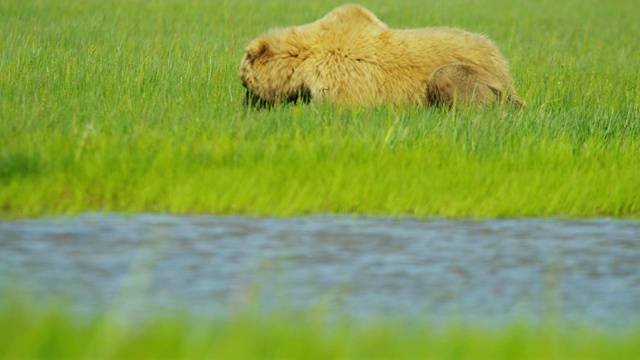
x,y
361,267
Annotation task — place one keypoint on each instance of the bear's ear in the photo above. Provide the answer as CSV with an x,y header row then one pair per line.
x,y
257,49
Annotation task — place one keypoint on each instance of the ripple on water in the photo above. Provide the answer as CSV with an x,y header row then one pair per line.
x,y
361,266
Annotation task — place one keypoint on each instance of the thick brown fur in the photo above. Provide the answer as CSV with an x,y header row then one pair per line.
x,y
350,57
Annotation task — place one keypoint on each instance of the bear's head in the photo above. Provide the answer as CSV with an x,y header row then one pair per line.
x,y
283,64
270,69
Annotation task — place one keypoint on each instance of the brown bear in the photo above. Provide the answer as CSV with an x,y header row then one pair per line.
x,y
350,57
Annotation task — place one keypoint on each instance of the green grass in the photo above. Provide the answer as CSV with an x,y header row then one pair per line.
x,y
26,333
135,106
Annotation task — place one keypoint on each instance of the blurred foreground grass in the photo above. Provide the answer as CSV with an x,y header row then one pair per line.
x,y
55,333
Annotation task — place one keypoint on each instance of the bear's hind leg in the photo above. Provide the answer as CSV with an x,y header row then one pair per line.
x,y
464,84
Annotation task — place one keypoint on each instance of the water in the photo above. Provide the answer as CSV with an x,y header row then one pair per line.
x,y
587,271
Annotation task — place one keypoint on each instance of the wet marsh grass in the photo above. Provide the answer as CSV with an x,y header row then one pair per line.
x,y
31,332
136,107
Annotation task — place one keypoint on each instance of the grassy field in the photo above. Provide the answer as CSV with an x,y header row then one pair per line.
x,y
134,106
55,333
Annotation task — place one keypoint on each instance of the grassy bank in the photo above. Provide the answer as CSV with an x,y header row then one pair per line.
x,y
136,106
54,333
